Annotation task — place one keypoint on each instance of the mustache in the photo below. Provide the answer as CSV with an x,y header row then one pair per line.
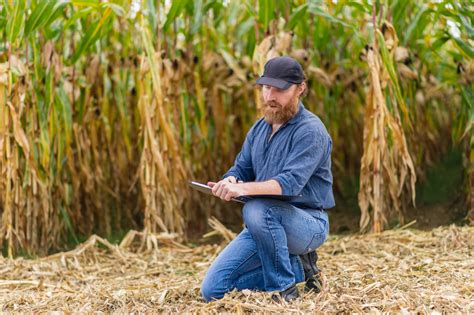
x,y
272,103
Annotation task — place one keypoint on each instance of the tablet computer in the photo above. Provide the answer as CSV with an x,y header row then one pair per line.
x,y
242,199
208,190
201,187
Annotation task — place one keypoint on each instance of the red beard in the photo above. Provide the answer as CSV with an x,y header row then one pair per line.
x,y
279,114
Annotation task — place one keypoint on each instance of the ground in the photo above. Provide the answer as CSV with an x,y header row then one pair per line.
x,y
398,270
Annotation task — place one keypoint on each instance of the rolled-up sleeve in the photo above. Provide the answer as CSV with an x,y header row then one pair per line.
x,y
307,154
242,168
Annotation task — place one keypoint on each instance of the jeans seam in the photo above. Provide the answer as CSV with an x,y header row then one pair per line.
x,y
312,219
246,278
301,269
227,280
310,242
274,243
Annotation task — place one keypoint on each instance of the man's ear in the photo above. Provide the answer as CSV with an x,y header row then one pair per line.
x,y
301,88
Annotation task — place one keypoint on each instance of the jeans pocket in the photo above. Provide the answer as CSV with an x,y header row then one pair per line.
x,y
316,241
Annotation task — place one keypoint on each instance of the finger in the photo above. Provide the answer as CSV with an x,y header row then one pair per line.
x,y
230,195
216,187
220,190
211,184
225,190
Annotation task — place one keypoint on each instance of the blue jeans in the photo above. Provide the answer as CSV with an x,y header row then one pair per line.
x,y
264,256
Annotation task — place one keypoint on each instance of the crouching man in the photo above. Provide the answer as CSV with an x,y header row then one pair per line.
x,y
286,152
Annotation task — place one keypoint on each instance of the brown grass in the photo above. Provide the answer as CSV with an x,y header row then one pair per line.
x,y
399,270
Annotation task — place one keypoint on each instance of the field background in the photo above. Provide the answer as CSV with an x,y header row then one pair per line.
x,y
108,108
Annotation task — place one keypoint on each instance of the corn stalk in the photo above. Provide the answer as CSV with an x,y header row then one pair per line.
x,y
107,107
386,165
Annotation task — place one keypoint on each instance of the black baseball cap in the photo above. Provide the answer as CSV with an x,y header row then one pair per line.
x,y
281,72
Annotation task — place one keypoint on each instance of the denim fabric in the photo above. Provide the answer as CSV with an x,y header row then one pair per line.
x,y
298,156
264,256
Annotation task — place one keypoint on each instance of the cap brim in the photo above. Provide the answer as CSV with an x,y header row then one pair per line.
x,y
278,83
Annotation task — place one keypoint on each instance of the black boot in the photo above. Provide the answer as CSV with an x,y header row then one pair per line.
x,y
312,274
288,295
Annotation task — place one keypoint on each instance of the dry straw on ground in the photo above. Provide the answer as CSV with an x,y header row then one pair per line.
x,y
398,270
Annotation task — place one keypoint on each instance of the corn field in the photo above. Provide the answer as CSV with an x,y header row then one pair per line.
x,y
107,108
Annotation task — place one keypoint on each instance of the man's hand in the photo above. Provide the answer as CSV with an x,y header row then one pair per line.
x,y
227,188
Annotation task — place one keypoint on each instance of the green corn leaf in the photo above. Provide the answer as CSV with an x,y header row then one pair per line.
x,y
197,16
389,65
118,10
417,26
251,42
449,13
152,20
464,47
468,27
250,9
42,14
69,225
175,10
92,34
463,125
15,23
316,10
245,26
3,18
265,12
297,16
440,41
215,6
358,6
150,52
42,9
65,110
399,9
45,147
86,3
78,15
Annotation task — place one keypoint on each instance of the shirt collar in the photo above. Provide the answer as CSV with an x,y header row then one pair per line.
x,y
297,116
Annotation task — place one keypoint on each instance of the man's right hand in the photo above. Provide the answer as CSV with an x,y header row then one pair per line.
x,y
230,179
220,188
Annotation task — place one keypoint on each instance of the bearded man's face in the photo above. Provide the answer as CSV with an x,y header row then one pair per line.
x,y
280,105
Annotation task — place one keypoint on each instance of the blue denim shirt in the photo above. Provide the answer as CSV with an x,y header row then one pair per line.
x,y
297,156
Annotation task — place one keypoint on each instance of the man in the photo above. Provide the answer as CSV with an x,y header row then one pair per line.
x,y
286,152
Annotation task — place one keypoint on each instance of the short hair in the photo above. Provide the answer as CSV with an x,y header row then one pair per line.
x,y
305,81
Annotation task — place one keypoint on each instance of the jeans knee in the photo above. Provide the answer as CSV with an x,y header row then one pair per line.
x,y
206,294
254,214
208,291
214,286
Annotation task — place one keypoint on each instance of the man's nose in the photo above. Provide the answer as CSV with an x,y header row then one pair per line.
x,y
271,95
